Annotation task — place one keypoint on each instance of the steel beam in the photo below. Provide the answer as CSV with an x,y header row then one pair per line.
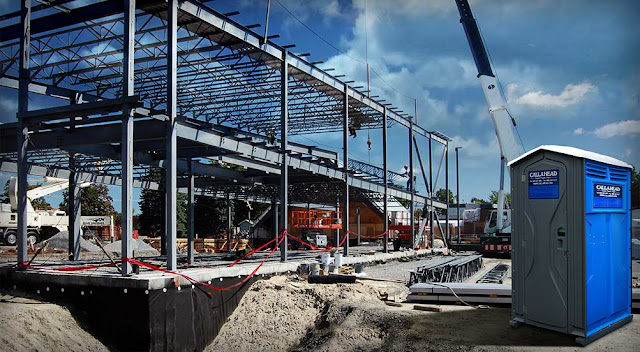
x,y
284,171
274,214
345,161
127,135
446,186
229,222
385,240
430,193
358,225
172,136
23,130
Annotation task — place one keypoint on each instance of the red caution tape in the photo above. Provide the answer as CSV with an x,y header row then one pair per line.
x,y
194,281
284,232
314,247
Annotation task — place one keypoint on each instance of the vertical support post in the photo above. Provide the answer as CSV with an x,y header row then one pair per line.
x,y
284,172
458,193
358,225
127,134
412,187
385,244
430,192
345,160
75,213
446,186
336,235
266,23
23,130
229,223
172,136
274,214
190,215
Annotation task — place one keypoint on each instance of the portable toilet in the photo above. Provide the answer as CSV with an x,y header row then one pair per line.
x,y
571,257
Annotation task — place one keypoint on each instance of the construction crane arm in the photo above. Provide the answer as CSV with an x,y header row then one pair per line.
x,y
503,123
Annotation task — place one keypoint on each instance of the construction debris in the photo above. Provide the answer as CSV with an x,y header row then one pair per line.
x,y
447,269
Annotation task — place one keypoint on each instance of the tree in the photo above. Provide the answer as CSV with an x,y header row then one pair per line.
x,y
635,189
94,200
210,215
152,209
475,200
441,196
493,198
4,197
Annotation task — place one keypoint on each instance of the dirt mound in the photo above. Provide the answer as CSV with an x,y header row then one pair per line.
x,y
61,241
279,315
32,325
138,247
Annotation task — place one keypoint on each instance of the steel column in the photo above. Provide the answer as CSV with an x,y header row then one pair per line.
x,y
23,130
345,160
336,235
128,73
458,193
430,193
274,215
284,172
412,186
446,186
190,215
172,137
229,222
385,239
75,212
358,225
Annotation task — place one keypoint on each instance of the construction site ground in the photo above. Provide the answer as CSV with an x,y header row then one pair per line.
x,y
285,313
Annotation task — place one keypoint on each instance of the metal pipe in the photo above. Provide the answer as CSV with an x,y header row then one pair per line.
x,y
172,136
385,240
128,73
345,160
284,172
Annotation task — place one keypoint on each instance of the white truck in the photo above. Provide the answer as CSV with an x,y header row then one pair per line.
x,y
42,224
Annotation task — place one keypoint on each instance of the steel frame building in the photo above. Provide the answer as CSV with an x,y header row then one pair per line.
x,y
144,84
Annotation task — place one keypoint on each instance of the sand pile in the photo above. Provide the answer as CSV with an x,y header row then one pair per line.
x,y
138,246
31,325
61,241
279,315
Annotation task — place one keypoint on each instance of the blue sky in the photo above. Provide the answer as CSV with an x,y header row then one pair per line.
x,y
569,69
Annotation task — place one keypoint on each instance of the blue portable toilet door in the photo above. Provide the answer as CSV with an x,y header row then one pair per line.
x,y
545,232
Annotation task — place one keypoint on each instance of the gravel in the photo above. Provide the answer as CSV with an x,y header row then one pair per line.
x,y
61,241
138,246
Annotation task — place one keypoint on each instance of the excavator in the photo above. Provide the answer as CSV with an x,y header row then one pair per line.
x,y
498,227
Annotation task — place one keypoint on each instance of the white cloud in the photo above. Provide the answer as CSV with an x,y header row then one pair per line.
x,y
572,94
627,152
578,131
8,105
620,128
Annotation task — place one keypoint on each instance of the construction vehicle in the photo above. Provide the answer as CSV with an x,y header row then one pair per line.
x,y
42,224
313,222
498,227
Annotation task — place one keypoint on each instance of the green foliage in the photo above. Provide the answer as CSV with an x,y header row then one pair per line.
x,y
4,197
94,199
442,197
210,216
493,198
475,200
152,209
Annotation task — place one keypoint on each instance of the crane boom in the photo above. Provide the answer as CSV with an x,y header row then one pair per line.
x,y
503,123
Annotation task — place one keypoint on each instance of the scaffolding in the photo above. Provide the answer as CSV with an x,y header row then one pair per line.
x,y
174,85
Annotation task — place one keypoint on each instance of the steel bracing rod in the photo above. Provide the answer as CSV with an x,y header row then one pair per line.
x,y
424,174
444,150
128,73
23,131
431,210
412,188
446,186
